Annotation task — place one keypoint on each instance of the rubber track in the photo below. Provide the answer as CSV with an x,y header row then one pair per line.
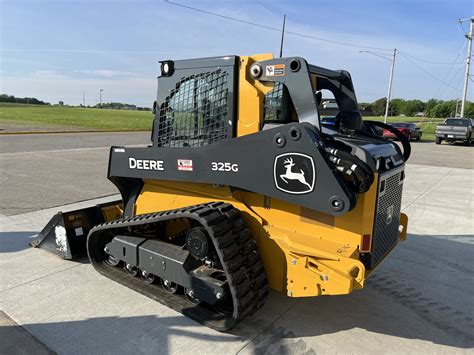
x,y
236,250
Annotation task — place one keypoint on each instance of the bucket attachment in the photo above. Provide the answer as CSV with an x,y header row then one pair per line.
x,y
66,233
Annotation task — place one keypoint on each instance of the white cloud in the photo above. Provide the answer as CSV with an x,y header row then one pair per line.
x,y
53,86
107,73
130,76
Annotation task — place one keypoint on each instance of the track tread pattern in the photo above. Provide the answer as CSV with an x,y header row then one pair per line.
x,y
233,242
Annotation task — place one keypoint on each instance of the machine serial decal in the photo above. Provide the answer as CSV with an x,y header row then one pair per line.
x,y
275,70
389,214
145,164
294,173
221,166
185,164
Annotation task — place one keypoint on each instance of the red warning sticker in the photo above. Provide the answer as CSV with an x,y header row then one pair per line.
x,y
275,70
185,164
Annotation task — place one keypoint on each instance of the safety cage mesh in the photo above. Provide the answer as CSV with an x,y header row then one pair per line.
x,y
196,111
273,104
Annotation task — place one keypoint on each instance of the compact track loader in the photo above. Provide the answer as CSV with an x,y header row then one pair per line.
x,y
242,189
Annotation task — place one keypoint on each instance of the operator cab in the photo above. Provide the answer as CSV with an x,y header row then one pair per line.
x,y
279,108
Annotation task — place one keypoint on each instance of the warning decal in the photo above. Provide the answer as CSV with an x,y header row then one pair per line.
x,y
185,164
275,70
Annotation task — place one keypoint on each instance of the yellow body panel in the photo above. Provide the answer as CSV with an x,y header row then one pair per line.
x,y
305,253
251,93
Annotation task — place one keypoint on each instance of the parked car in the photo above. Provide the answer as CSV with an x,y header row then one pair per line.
x,y
409,130
455,129
329,121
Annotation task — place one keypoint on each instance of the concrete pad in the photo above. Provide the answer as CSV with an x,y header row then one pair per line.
x,y
46,170
454,155
418,301
16,340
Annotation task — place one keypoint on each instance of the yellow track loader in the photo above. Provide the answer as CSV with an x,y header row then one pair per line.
x,y
243,189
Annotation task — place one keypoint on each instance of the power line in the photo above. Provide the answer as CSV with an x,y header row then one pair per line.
x,y
303,35
424,70
274,28
377,55
428,61
461,27
442,88
457,84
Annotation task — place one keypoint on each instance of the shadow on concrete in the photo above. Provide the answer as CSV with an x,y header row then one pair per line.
x,y
11,242
16,340
455,143
126,335
423,291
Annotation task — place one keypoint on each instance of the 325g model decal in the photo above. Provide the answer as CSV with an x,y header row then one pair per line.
x,y
224,166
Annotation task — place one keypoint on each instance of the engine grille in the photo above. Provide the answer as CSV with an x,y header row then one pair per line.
x,y
387,217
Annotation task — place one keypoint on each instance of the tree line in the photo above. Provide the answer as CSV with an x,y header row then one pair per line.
x,y
21,100
35,101
430,108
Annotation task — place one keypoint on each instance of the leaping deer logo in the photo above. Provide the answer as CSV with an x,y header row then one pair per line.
x,y
290,175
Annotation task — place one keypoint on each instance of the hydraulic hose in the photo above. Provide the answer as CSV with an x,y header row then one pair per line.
x,y
401,137
354,168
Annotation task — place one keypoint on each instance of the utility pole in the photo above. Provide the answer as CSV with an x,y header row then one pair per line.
x,y
389,95
392,67
100,97
83,99
468,63
282,36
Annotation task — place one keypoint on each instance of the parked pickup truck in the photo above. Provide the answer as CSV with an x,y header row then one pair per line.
x,y
455,129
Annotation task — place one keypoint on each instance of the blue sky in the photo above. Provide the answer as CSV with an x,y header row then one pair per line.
x,y
55,50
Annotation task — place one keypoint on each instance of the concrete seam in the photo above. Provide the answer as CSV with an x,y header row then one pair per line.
x,y
429,189
39,278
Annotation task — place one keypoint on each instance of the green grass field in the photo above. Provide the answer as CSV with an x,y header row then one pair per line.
x,y
97,119
84,118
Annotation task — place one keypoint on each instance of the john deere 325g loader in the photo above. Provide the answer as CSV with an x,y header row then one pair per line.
x,y
242,189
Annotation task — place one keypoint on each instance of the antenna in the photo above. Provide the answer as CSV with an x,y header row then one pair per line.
x,y
282,36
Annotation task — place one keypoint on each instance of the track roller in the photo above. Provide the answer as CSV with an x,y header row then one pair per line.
x,y
131,270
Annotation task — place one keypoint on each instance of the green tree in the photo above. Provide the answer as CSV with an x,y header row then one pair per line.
x,y
411,107
396,107
469,110
430,104
378,107
444,109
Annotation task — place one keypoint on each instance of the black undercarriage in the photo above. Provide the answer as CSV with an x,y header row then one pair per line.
x,y
211,272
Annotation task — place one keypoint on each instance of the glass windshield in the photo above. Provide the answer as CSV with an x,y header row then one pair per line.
x,y
401,125
456,122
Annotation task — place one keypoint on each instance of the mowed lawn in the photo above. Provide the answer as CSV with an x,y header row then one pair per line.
x,y
84,118
127,120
